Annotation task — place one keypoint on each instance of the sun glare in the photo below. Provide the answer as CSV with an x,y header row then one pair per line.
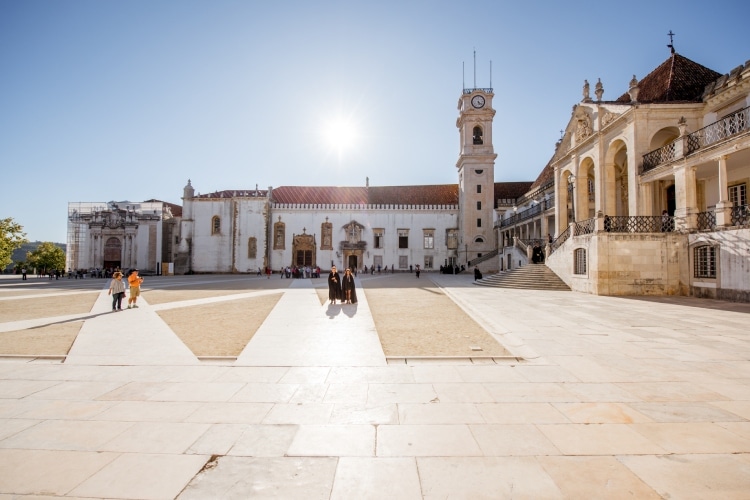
x,y
339,134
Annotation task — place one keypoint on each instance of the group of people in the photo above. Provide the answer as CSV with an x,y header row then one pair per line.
x,y
117,289
341,288
300,272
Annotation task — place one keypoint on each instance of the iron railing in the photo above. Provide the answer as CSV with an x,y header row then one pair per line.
x,y
638,224
737,122
706,221
559,240
486,256
730,125
658,156
527,213
587,226
740,215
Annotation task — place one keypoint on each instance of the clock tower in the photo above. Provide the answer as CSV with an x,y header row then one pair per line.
x,y
476,174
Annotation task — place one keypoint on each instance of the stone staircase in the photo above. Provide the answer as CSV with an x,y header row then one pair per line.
x,y
529,277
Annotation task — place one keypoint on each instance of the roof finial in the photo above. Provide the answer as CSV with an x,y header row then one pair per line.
x,y
671,41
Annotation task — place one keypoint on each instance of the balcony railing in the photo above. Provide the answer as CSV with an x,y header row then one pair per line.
x,y
728,126
638,224
658,156
706,221
741,215
527,213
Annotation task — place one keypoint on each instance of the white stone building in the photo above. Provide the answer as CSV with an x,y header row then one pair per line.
x,y
647,193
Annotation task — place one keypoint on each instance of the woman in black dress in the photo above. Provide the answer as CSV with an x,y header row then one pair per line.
x,y
347,285
334,285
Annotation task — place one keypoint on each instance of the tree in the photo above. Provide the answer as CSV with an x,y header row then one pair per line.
x,y
46,257
11,237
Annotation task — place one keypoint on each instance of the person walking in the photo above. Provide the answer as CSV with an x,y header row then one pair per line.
x,y
334,285
23,274
417,271
348,287
134,280
117,291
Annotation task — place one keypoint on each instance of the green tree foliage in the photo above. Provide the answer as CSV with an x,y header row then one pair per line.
x,y
11,237
47,257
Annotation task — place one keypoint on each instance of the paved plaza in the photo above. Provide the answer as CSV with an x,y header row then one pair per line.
x,y
602,397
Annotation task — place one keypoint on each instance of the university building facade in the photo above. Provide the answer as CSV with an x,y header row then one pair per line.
x,y
644,194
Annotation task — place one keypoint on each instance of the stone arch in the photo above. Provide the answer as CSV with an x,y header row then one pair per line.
x,y
663,137
585,187
565,196
477,135
615,195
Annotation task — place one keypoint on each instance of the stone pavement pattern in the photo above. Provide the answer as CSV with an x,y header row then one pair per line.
x,y
615,398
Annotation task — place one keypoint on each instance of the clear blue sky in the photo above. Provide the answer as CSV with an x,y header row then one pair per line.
x,y
126,100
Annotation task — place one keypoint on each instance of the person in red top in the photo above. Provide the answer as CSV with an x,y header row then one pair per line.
x,y
134,280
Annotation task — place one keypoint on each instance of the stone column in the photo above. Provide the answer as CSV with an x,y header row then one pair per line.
x,y
686,198
723,208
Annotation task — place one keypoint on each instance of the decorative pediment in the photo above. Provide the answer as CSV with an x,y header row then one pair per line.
x,y
583,124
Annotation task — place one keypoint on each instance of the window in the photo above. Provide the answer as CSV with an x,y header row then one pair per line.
x,y
452,239
429,238
378,234
704,261
428,262
479,188
377,261
252,248
479,222
216,225
738,195
403,238
579,258
479,205
403,261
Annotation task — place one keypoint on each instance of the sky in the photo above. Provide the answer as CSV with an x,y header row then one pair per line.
x,y
127,100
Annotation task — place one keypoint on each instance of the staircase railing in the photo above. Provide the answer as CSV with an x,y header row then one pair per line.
x,y
484,257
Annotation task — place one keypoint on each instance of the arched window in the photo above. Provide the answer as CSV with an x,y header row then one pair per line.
x,y
477,135
215,224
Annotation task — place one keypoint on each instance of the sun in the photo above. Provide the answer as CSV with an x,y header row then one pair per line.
x,y
339,134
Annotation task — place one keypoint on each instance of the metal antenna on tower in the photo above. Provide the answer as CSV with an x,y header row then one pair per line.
x,y
490,73
475,68
463,74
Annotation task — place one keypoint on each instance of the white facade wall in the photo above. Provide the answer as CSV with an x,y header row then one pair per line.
x,y
226,250
415,219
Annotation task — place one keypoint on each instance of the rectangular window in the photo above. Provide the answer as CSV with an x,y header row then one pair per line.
x,y
738,195
403,238
378,233
479,205
452,239
479,222
428,262
479,188
403,261
377,261
429,238
579,264
704,261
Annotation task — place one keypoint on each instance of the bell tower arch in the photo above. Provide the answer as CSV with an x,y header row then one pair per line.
x,y
476,173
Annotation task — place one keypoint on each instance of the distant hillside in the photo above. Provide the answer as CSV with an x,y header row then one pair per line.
x,y
19,255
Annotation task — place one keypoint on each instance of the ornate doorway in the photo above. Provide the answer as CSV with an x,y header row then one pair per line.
x,y
303,250
112,253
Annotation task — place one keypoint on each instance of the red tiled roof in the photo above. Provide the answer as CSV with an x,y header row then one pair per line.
x,y
446,194
324,195
437,194
676,79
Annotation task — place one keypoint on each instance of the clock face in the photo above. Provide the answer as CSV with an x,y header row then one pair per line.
x,y
477,101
